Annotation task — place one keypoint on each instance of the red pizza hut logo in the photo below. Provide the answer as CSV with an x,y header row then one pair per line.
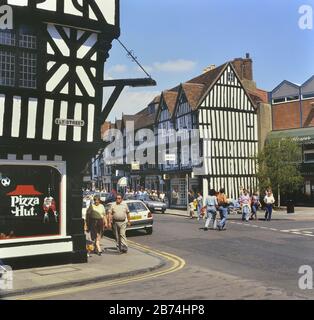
x,y
24,199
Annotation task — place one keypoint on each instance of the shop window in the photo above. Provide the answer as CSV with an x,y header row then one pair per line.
x,y
30,201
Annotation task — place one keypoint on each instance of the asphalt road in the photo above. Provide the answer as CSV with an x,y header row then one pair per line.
x,y
255,260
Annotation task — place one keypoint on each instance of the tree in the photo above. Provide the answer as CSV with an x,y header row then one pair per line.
x,y
278,166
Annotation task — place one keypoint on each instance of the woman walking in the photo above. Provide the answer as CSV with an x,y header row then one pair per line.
x,y
269,201
211,205
245,202
199,200
96,220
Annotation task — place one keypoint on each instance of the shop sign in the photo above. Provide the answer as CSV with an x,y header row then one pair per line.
x,y
135,166
29,201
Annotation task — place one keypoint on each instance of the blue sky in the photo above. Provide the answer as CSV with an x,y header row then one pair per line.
x,y
176,39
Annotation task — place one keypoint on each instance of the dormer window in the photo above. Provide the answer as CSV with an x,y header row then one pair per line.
x,y
18,58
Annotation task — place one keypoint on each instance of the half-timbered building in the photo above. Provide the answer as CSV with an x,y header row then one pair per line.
x,y
51,111
227,118
219,103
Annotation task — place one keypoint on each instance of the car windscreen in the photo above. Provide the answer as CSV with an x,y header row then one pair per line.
x,y
155,199
136,207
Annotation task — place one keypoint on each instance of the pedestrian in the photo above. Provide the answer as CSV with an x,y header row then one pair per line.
x,y
241,191
255,204
191,199
211,205
245,202
199,205
96,220
269,201
162,196
174,197
119,217
223,204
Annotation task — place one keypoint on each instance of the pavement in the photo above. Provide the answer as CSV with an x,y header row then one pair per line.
x,y
111,265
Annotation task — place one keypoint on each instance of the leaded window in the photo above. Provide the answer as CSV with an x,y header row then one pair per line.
x,y
7,68
18,57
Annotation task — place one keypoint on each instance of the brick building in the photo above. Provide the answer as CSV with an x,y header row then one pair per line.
x,y
293,116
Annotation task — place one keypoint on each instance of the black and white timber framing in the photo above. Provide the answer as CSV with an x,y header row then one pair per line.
x,y
51,99
228,126
226,118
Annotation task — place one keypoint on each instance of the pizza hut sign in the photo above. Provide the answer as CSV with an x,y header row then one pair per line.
x,y
25,201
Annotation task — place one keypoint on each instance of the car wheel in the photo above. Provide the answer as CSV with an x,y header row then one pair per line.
x,y
149,230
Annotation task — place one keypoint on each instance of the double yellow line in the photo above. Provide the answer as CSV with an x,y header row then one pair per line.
x,y
176,264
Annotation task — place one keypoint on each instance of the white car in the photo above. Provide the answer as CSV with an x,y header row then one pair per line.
x,y
141,217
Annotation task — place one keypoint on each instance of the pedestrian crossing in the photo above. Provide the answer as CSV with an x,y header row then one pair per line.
x,y
307,232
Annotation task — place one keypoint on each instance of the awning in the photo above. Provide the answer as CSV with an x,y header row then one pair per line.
x,y
303,135
123,182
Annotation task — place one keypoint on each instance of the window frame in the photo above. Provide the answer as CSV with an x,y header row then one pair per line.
x,y
18,51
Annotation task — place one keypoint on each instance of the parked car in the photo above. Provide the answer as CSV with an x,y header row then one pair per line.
x,y
141,217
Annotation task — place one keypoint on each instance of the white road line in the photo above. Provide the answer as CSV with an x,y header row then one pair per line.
x,y
291,231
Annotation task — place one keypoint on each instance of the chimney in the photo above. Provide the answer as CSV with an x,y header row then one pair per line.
x,y
244,67
209,68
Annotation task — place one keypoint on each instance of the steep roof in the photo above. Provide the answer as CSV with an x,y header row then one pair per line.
x,y
193,93
209,77
258,95
170,98
145,120
156,100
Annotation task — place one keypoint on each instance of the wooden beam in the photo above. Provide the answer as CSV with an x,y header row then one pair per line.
x,y
141,82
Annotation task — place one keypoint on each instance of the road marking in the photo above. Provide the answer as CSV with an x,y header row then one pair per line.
x,y
177,264
299,232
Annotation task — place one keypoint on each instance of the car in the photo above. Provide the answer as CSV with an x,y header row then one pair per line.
x,y
141,216
154,204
